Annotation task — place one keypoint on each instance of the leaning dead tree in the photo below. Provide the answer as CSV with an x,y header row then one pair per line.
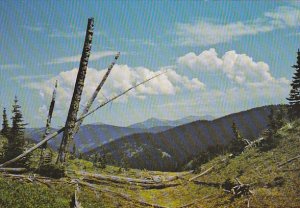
x,y
54,134
48,123
74,106
95,94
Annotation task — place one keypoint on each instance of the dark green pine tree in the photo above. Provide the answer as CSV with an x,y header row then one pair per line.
x,y
16,140
237,144
275,122
5,126
294,97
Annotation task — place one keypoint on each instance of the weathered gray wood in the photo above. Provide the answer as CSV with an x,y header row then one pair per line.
x,y
79,84
95,94
48,123
13,170
201,174
288,161
123,196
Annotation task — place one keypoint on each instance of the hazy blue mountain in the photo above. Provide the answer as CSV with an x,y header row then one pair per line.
x,y
91,136
171,149
154,122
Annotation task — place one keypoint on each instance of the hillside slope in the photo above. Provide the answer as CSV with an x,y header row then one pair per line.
x,y
169,150
272,186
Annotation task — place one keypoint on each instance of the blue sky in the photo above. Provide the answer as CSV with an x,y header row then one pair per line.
x,y
220,56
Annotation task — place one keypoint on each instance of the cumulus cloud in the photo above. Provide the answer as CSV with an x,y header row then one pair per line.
x,y
240,68
121,78
203,33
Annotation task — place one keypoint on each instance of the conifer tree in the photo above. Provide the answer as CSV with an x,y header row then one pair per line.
x,y
16,141
5,125
237,144
294,97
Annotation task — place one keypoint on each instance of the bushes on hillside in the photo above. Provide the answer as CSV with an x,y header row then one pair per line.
x,y
51,170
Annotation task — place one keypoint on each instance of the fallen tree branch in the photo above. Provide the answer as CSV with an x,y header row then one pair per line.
x,y
75,201
178,176
116,179
288,161
13,170
202,174
123,196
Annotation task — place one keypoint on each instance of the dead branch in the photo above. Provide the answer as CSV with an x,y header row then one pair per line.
x,y
288,161
253,143
13,170
95,94
75,201
53,135
202,174
178,176
115,179
123,196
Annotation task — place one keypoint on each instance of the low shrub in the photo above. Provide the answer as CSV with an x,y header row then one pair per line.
x,y
52,171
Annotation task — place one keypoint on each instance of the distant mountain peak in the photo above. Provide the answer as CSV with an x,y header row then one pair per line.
x,y
156,122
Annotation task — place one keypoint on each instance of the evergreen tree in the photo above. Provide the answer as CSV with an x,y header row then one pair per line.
x,y
269,141
294,97
16,141
5,125
237,144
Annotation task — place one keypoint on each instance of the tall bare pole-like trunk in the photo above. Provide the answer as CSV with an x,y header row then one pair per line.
x,y
51,108
96,92
47,130
74,106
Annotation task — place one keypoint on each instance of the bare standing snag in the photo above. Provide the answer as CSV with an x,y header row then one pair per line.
x,y
74,106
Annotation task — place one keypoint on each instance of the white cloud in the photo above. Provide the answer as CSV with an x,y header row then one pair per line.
x,y
121,78
209,33
240,68
205,33
94,56
285,16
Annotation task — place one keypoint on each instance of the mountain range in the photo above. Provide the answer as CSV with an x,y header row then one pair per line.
x,y
91,136
154,122
171,149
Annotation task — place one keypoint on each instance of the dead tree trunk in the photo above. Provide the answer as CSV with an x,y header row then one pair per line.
x,y
54,134
92,99
47,130
74,106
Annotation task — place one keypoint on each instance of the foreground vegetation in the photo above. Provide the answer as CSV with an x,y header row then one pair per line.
x,y
272,186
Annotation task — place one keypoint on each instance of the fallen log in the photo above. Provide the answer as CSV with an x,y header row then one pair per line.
x,y
116,179
142,185
13,170
53,135
178,176
202,174
123,196
288,161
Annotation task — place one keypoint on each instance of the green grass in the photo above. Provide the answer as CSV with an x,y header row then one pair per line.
x,y
252,167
